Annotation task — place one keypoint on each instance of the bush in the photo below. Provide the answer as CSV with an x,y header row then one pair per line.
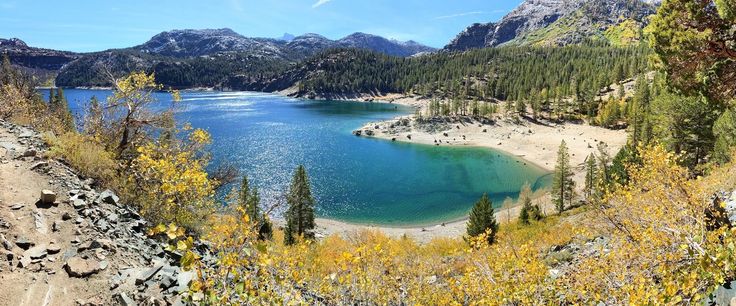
x,y
85,155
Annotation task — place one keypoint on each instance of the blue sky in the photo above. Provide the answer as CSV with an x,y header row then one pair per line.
x,y
93,25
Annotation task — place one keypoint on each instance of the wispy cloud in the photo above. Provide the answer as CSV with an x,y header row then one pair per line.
x,y
320,3
460,15
469,14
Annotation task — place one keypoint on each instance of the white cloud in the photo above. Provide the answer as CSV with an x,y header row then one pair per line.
x,y
460,15
469,13
320,3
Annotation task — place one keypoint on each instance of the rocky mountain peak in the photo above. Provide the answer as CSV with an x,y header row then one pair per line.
x,y
553,22
12,43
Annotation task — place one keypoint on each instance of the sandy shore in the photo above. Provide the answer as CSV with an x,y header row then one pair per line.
x,y
423,234
537,143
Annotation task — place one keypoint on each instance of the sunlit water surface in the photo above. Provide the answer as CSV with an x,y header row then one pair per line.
x,y
353,179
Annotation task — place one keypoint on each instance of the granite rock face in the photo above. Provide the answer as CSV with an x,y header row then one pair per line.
x,y
553,22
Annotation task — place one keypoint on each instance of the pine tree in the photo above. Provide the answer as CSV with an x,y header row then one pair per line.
x,y
249,201
300,215
590,175
482,219
528,210
59,108
563,186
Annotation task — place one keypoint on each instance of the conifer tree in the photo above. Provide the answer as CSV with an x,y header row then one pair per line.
x,y
249,201
563,186
590,175
300,215
528,210
483,219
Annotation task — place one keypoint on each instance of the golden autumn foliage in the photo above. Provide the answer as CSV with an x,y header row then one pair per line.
x,y
168,182
84,154
647,244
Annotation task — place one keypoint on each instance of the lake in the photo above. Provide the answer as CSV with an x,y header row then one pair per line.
x,y
354,179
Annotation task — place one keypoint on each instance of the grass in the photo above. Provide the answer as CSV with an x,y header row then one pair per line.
x,y
84,154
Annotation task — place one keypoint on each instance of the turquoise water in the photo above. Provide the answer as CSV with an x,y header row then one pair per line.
x,y
353,179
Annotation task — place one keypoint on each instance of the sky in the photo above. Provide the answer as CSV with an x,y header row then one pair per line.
x,y
95,25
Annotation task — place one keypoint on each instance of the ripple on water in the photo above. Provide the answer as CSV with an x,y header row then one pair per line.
x,y
353,179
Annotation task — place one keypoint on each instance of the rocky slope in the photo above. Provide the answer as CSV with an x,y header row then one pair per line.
x,y
64,243
42,63
558,22
23,55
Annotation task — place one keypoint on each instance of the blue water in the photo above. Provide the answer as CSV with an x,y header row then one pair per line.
x,y
353,179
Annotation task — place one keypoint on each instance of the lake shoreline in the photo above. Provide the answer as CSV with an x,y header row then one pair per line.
x,y
535,143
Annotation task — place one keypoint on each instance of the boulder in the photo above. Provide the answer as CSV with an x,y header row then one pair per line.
x,y
108,197
53,249
48,197
36,252
79,267
24,243
148,274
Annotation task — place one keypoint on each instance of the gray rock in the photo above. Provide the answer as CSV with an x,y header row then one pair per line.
x,y
69,253
17,206
48,197
39,165
36,252
79,267
53,249
24,262
108,197
105,244
124,300
24,243
183,279
30,152
167,281
6,244
78,203
40,222
148,274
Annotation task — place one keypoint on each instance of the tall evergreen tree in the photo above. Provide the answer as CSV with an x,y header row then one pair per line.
x,y
300,215
482,219
528,210
591,172
563,186
249,201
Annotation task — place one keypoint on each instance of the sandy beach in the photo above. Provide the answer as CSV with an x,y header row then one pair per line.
x,y
535,143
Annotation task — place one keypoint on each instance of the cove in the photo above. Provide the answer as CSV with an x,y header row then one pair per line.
x,y
353,179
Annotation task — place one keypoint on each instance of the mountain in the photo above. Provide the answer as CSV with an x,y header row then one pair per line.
x,y
38,61
208,57
383,45
560,22
187,43
286,37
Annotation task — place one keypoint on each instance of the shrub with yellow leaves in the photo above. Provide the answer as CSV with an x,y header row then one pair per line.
x,y
168,181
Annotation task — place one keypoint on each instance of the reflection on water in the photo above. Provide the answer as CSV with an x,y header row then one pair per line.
x,y
353,179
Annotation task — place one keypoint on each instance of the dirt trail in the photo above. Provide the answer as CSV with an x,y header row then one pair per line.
x,y
85,249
